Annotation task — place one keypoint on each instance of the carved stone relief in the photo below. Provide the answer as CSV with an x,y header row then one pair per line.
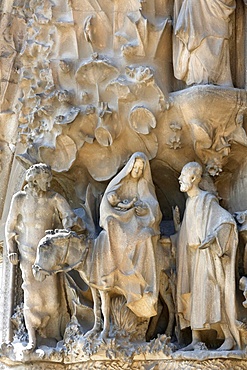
x,y
123,184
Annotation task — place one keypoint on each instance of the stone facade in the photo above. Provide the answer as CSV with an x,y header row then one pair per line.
x,y
127,106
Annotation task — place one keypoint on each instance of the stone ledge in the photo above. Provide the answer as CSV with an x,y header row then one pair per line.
x,y
149,361
169,364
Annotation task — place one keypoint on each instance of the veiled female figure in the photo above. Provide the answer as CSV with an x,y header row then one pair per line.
x,y
124,255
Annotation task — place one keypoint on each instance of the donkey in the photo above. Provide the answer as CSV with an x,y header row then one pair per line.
x,y
62,251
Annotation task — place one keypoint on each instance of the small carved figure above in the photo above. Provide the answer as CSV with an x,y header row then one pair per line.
x,y
175,139
95,71
201,41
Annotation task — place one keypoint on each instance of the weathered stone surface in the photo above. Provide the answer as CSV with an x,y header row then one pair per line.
x,y
117,97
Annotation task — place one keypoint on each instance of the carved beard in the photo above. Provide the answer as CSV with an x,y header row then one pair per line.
x,y
185,186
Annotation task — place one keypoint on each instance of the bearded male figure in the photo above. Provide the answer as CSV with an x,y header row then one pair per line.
x,y
32,212
207,244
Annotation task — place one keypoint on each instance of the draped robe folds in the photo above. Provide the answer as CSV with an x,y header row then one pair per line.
x,y
206,277
201,41
124,256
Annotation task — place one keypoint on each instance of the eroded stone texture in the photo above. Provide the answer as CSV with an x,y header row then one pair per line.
x,y
100,90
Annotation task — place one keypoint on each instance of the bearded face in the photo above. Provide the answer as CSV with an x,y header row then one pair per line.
x,y
185,181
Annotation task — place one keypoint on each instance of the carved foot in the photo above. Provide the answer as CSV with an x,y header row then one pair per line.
x,y
227,345
29,348
190,346
196,345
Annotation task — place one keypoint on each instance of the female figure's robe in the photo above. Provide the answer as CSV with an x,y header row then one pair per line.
x,y
124,255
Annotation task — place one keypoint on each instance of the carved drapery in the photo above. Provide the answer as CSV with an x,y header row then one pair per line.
x,y
85,84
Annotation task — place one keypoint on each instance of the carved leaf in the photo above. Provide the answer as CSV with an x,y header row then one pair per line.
x,y
201,134
142,120
61,158
100,161
119,88
69,117
124,320
95,71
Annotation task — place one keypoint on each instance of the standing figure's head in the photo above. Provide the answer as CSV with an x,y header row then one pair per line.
x,y
39,176
190,177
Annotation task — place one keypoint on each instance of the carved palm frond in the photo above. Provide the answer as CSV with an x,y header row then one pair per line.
x,y
124,320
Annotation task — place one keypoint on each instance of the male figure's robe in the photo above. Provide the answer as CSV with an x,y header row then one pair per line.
x,y
206,277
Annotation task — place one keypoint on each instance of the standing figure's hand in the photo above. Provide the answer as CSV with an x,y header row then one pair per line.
x,y
13,258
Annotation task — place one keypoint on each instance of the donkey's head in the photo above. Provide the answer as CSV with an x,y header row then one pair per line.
x,y
52,253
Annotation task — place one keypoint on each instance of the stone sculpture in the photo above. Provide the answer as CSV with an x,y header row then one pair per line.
x,y
241,218
137,270
129,238
33,211
69,251
201,41
207,243
84,85
243,287
122,259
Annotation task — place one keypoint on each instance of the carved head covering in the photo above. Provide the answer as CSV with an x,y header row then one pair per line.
x,y
145,189
115,182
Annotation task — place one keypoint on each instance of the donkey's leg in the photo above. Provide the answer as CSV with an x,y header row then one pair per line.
x,y
97,314
166,294
105,307
171,309
31,338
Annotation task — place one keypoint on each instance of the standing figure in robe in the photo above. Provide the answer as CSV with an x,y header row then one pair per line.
x,y
207,243
202,30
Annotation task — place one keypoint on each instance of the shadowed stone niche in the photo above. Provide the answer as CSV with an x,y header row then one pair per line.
x,y
123,202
